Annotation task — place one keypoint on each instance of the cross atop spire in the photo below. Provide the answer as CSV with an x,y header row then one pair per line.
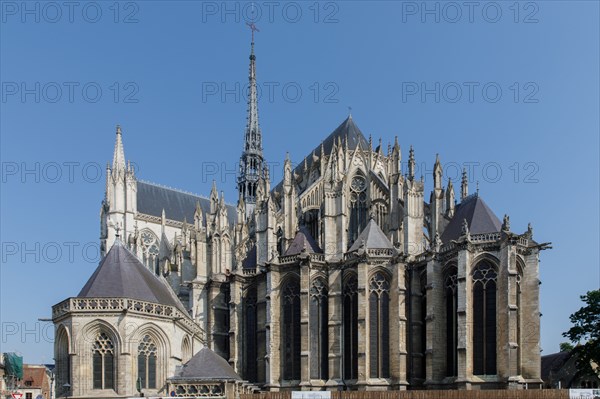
x,y
253,28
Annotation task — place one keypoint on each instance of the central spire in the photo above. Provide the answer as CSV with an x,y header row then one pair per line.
x,y
251,161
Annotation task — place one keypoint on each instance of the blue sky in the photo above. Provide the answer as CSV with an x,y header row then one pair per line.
x,y
511,89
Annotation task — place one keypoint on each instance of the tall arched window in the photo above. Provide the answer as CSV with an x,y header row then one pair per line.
x,y
312,222
250,334
484,319
451,300
221,321
380,211
350,306
186,350
103,362
63,360
379,327
280,245
149,250
290,302
358,208
147,355
319,352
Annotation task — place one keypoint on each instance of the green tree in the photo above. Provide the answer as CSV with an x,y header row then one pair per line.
x,y
566,347
586,330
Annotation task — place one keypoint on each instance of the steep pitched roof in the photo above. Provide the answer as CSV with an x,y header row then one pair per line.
x,y
346,130
206,365
373,238
479,216
303,240
178,205
553,362
122,275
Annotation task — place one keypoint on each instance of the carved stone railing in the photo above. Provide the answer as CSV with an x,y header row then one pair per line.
x,y
245,387
523,241
158,220
247,271
296,258
380,253
317,257
485,237
199,390
448,247
288,259
135,306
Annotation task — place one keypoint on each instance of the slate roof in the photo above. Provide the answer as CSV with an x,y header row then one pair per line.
x,y
480,218
152,199
206,365
347,129
122,275
553,363
303,240
373,238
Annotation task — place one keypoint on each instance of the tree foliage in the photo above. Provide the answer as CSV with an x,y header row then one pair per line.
x,y
586,330
566,347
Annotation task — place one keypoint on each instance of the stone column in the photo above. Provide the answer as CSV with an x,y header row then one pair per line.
x,y
335,301
398,324
273,330
236,326
435,324
464,319
304,320
416,325
507,313
530,315
263,339
363,337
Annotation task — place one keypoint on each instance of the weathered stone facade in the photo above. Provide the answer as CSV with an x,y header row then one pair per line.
x,y
342,276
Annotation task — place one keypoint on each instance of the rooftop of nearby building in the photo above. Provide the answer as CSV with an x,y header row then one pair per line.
x,y
33,376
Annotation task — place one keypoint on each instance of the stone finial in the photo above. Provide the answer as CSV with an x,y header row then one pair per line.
x,y
465,227
437,242
529,230
506,223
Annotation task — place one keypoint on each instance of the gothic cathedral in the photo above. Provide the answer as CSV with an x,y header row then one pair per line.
x,y
340,277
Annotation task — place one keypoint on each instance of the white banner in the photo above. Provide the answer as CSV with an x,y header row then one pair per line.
x,y
584,393
311,395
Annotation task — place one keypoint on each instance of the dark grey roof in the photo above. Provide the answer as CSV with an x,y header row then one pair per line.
x,y
346,130
122,275
373,238
303,241
206,365
178,205
480,218
554,362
